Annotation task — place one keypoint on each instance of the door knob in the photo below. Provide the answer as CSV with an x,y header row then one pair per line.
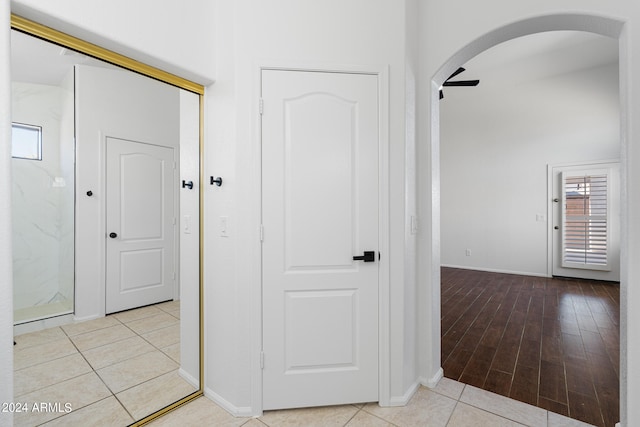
x,y
369,256
113,235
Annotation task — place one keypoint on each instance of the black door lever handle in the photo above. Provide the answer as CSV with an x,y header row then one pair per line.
x,y
369,256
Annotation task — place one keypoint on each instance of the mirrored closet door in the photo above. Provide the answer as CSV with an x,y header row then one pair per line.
x,y
106,232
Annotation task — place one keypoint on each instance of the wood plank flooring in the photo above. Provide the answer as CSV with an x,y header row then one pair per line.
x,y
553,343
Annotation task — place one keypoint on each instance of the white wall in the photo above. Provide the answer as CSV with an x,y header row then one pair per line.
x,y
329,34
448,39
495,146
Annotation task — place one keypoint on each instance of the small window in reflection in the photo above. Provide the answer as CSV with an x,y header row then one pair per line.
x,y
26,141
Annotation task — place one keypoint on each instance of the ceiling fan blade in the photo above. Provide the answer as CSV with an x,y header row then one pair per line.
x,y
462,83
455,73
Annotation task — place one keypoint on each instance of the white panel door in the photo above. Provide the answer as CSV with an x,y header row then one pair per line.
x,y
320,209
140,240
586,228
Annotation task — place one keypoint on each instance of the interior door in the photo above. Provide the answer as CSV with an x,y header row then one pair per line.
x,y
586,228
320,210
140,191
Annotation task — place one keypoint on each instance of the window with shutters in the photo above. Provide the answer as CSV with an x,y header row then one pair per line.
x,y
585,219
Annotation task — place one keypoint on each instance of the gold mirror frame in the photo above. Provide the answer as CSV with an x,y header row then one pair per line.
x,y
48,34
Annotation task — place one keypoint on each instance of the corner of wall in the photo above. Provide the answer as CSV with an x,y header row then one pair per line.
x,y
406,397
434,380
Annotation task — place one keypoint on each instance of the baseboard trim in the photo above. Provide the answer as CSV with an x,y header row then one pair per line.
x,y
434,380
495,270
236,411
406,397
85,318
188,378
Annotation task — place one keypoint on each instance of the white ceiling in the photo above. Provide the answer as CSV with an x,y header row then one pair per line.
x,y
536,57
36,61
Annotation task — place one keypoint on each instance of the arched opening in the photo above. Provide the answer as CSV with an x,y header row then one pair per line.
x,y
590,24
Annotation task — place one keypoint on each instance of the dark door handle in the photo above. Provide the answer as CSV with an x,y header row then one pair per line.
x,y
113,235
369,256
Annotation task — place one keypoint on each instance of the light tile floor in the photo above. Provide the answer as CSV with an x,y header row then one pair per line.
x,y
103,369
111,370
450,404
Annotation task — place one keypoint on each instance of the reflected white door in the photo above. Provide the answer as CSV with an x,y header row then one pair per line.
x,y
140,265
320,209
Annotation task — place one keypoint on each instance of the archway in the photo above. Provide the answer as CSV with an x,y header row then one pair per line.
x,y
576,22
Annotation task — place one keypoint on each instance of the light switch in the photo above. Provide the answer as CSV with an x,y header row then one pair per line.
x,y
224,226
186,222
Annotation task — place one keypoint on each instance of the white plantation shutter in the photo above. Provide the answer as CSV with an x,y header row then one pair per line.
x,y
585,219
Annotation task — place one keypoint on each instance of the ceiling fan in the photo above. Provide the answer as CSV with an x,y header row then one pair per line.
x,y
457,82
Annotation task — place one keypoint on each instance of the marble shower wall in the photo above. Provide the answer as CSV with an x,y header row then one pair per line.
x,y
43,197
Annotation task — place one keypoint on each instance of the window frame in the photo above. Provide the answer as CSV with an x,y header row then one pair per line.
x,y
27,126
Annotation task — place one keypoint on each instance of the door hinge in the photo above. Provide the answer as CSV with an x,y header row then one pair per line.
x,y
261,233
262,360
261,106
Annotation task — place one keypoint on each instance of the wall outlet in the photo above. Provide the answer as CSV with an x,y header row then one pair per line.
x,y
467,252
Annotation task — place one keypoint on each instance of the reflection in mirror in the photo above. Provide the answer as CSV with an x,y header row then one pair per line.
x,y
106,241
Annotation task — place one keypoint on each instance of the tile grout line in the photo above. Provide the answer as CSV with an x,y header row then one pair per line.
x,y
67,336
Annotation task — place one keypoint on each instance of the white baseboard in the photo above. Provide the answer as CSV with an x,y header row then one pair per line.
x,y
189,378
85,318
434,380
495,270
236,411
406,397
38,325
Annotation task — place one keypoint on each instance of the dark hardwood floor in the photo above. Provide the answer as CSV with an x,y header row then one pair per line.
x,y
553,343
